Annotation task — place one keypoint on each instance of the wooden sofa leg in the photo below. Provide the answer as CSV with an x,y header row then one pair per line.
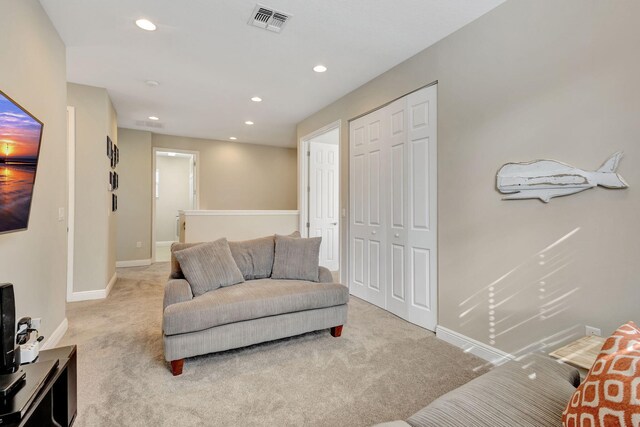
x,y
336,331
176,367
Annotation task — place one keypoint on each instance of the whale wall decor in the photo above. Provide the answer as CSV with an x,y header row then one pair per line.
x,y
545,179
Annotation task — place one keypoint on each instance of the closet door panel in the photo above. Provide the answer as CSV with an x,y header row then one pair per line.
x,y
358,245
421,234
367,232
376,125
396,141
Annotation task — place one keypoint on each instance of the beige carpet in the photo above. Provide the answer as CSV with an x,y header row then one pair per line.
x,y
381,369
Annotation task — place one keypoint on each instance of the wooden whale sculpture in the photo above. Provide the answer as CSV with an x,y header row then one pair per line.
x,y
545,179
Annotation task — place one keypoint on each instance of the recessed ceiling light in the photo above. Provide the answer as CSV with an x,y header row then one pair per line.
x,y
256,99
233,138
319,68
154,118
152,83
145,24
248,122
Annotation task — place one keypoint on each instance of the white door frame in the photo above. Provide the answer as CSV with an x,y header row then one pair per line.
x,y
303,181
196,158
71,195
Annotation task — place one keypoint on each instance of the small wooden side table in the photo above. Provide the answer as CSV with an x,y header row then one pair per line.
x,y
581,353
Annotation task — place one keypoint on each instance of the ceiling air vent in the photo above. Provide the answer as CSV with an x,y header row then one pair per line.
x,y
269,19
149,124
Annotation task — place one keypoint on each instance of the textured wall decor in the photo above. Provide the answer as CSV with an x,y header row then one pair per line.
x,y
545,179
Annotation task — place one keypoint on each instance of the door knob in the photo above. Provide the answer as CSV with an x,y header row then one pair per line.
x,y
334,223
397,235
373,232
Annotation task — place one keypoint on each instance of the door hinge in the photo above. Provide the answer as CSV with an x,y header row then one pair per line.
x,y
308,153
309,189
308,225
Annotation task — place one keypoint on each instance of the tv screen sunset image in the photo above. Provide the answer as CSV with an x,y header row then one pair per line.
x,y
20,135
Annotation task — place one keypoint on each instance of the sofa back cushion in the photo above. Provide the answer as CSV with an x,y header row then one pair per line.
x,y
209,266
244,253
176,271
610,394
254,257
296,258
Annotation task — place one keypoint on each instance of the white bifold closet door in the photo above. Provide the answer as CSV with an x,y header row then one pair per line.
x,y
367,231
393,234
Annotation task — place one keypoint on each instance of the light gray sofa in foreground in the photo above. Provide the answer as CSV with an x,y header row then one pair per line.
x,y
252,312
532,392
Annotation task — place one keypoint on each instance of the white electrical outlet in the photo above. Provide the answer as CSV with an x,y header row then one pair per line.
x,y
36,323
591,331
138,244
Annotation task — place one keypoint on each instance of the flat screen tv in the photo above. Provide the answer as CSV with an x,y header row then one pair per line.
x,y
20,137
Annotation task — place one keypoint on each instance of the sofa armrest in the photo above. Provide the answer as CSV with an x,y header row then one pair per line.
x,y
175,291
324,275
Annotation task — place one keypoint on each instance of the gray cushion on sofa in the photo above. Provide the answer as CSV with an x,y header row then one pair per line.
x,y
254,257
531,392
209,266
296,258
251,300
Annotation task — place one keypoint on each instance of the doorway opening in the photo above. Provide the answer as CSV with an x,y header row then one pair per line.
x,y
320,192
175,188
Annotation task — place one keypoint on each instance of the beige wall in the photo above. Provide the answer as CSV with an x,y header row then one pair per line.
x,y
112,241
233,176
33,72
240,176
529,80
134,195
95,224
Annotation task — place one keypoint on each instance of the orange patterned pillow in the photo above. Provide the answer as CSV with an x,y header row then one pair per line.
x,y
610,395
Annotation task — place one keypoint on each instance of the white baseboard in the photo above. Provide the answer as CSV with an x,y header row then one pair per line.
x,y
469,345
112,282
134,263
56,335
91,295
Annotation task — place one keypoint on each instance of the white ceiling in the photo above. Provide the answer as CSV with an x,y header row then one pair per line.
x,y
209,62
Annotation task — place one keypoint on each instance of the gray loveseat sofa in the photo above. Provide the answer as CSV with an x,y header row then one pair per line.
x,y
532,392
247,313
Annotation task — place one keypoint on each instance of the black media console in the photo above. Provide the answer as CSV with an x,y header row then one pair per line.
x,y
49,395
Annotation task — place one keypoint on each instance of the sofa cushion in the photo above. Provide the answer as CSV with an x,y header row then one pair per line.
x,y
610,394
296,258
529,393
254,257
176,271
251,300
209,266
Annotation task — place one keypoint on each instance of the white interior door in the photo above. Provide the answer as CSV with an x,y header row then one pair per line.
x,y
324,202
367,231
393,228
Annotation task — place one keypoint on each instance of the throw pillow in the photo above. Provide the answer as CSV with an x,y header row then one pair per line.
x,y
296,258
610,394
254,257
209,266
